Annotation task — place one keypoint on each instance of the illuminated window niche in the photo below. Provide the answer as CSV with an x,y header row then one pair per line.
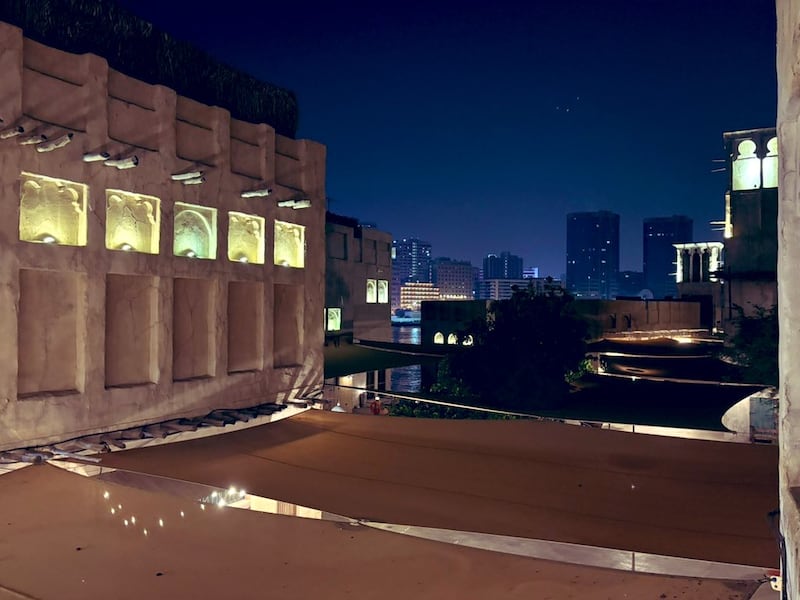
x,y
333,319
372,291
245,238
195,231
383,291
746,167
52,211
438,338
133,222
452,338
468,340
290,245
770,164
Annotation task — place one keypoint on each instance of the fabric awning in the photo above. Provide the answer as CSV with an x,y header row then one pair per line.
x,y
676,497
68,537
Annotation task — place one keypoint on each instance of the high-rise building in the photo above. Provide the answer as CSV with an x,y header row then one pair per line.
x,y
504,266
592,254
454,278
658,236
530,273
411,262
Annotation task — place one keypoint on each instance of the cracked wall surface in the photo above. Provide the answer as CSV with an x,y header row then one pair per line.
x,y
100,336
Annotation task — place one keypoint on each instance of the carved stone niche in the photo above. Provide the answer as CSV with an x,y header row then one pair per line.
x,y
195,231
52,211
245,238
290,244
133,222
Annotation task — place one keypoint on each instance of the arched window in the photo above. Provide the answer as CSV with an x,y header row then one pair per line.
x,y
468,340
769,164
746,167
438,338
452,338
372,295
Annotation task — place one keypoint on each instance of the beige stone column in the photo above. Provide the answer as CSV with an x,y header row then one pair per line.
x,y
788,66
10,111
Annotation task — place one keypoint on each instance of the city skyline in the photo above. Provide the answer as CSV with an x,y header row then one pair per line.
x,y
479,127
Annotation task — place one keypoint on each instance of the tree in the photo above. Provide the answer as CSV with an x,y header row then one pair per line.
x,y
523,354
754,347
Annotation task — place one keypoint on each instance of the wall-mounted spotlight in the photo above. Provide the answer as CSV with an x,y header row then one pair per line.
x,y
12,132
260,193
33,140
189,253
126,247
96,156
295,203
186,175
47,239
59,142
122,163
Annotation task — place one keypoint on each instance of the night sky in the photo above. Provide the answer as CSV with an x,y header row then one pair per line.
x,y
479,125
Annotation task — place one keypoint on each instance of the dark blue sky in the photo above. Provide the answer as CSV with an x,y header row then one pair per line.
x,y
479,125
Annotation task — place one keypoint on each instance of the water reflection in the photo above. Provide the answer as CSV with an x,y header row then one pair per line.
x,y
406,379
407,334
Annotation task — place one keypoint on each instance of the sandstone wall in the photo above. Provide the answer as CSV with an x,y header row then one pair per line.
x,y
132,297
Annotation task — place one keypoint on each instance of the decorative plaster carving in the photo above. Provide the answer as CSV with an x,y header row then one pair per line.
x,y
245,238
132,222
290,244
195,231
52,211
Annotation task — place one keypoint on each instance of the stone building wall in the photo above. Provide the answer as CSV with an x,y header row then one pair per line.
x,y
129,295
619,316
358,276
